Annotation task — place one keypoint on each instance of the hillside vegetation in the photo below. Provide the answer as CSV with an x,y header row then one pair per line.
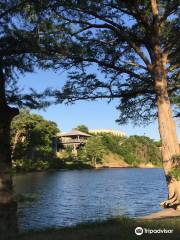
x,y
134,150
32,145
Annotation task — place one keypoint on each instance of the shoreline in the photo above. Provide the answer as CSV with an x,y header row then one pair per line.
x,y
162,214
90,168
85,168
141,165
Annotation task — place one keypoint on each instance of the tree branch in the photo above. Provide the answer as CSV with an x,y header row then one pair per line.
x,y
138,15
71,99
13,8
118,29
154,7
116,68
169,10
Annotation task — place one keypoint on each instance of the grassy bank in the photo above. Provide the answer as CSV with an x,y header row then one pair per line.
x,y
114,229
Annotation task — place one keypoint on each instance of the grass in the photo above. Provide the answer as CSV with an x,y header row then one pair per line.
x,y
114,229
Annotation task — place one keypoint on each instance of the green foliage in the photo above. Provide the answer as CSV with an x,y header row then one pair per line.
x,y
93,152
158,143
82,128
25,45
119,39
175,172
38,164
31,138
143,148
112,143
68,155
134,150
176,161
53,34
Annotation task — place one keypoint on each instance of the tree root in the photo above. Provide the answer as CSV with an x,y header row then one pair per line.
x,y
174,196
170,204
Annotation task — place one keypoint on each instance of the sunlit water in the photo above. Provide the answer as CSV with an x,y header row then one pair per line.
x,y
69,197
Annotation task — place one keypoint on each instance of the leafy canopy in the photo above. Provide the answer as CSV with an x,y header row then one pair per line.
x,y
119,38
32,137
82,128
93,151
26,44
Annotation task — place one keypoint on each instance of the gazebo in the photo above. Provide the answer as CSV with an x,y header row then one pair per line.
x,y
73,139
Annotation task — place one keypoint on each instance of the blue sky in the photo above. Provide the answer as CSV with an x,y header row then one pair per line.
x,y
97,114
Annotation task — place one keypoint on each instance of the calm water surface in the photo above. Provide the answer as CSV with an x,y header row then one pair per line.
x,y
69,197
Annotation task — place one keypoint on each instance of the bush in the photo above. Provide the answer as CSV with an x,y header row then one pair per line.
x,y
112,143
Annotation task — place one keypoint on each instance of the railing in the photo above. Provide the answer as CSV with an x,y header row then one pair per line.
x,y
68,141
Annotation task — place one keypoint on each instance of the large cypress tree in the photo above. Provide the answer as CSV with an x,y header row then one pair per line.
x,y
135,44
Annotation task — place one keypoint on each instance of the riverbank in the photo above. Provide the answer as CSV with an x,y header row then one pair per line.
x,y
165,213
109,162
86,166
115,161
119,228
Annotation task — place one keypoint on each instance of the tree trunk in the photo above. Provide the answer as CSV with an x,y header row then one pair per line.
x,y
94,162
167,130
17,138
8,207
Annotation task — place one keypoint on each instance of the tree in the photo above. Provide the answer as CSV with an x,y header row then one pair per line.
x,y
140,149
82,128
112,143
133,149
135,45
93,152
32,138
26,43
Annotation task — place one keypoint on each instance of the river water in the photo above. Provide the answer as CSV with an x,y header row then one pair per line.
x,y
68,197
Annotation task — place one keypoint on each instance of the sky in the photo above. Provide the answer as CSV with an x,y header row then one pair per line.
x,y
95,115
